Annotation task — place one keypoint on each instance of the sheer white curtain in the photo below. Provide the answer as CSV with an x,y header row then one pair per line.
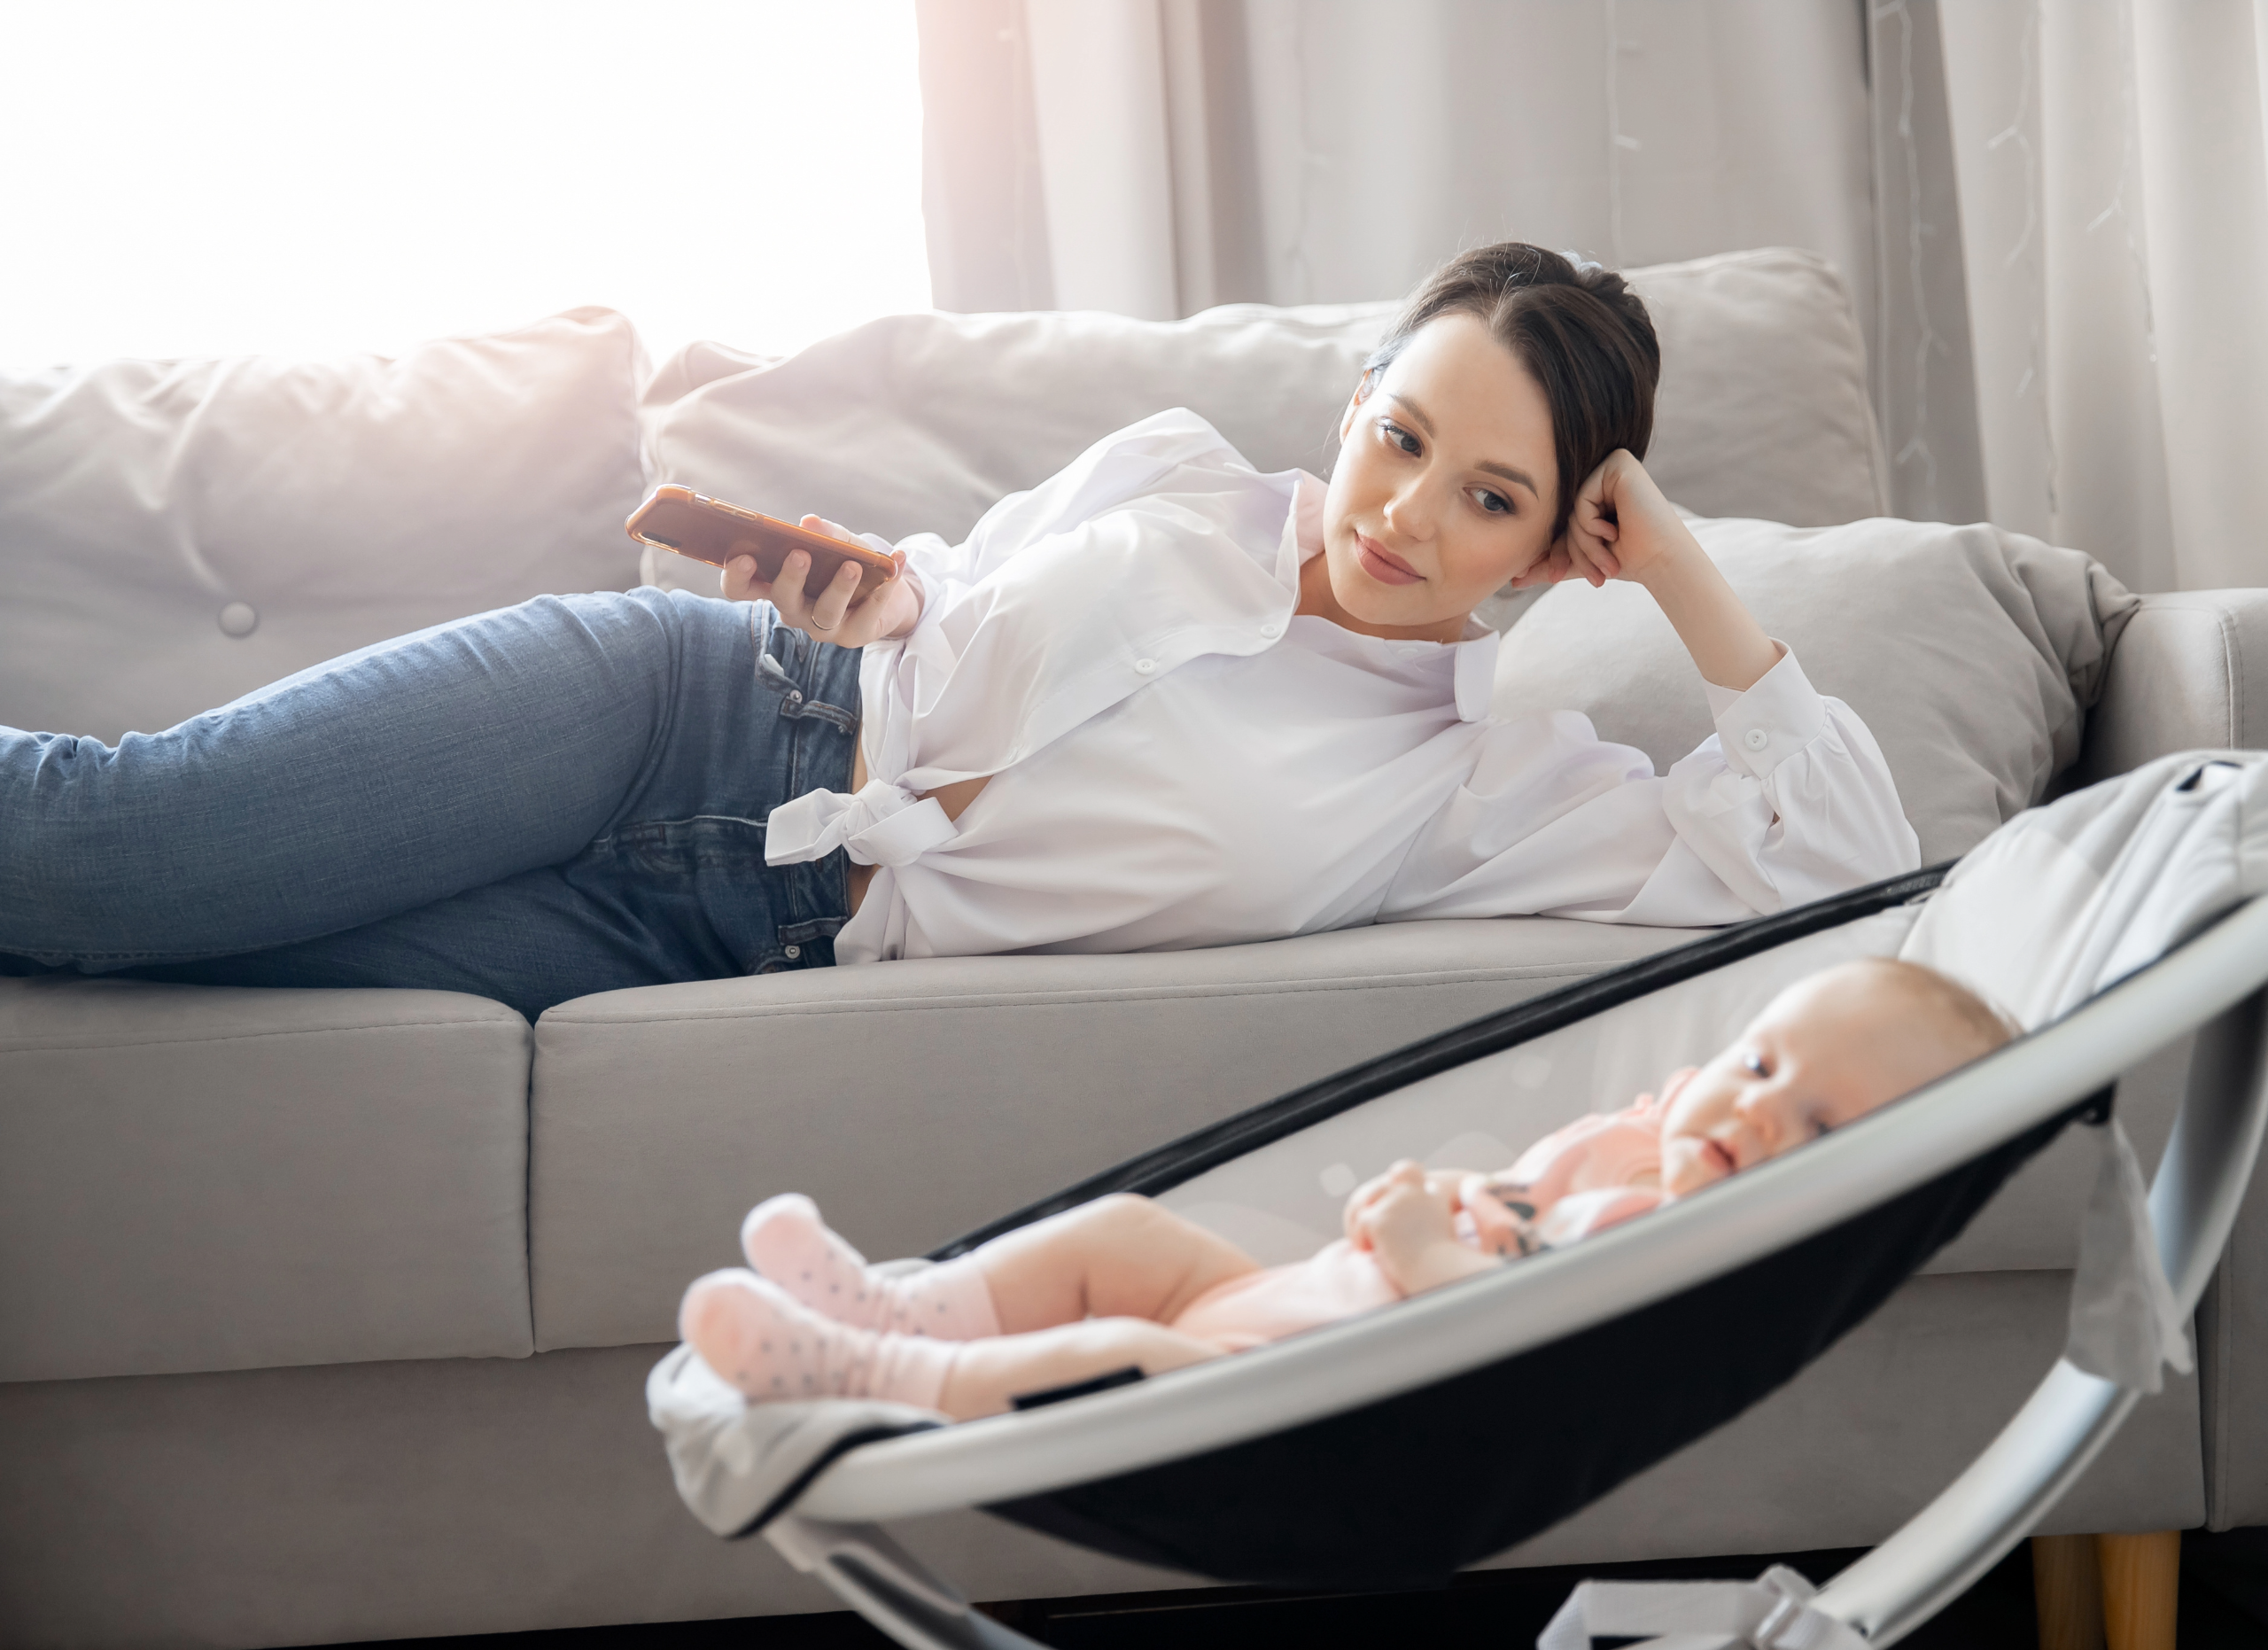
x,y
1155,157
2113,201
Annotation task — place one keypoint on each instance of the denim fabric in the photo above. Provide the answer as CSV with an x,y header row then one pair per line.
x,y
556,798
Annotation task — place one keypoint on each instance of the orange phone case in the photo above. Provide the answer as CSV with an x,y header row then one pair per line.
x,y
709,530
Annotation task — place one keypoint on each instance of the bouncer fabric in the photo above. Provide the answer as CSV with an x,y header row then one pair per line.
x,y
1404,1492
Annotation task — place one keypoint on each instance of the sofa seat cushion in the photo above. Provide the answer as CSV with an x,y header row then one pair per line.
x,y
198,1177
919,1099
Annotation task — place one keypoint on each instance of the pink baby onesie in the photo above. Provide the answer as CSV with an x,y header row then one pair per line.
x,y
1576,1181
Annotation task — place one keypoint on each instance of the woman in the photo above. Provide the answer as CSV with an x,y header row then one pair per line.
x,y
1158,701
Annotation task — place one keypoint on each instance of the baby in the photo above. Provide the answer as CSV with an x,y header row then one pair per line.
x,y
1124,1283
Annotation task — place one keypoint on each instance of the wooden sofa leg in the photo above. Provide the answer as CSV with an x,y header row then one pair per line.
x,y
2142,1589
2068,1591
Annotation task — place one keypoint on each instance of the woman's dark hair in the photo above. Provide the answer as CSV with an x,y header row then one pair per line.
x,y
1576,327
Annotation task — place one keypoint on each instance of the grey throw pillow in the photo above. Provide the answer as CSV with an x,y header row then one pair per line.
x,y
1972,655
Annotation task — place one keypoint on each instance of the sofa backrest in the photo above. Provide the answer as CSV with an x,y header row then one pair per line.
x,y
921,422
176,535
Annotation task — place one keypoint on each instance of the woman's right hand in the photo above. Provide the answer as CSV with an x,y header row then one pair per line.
x,y
890,609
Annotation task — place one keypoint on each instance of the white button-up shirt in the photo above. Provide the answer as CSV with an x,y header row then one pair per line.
x,y
1176,758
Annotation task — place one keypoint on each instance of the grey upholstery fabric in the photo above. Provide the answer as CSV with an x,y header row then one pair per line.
x,y
174,533
379,1500
917,1100
198,1177
2190,673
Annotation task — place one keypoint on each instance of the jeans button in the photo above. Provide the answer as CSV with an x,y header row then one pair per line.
x,y
792,951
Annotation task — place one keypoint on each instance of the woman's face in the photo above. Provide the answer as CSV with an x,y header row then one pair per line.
x,y
1446,484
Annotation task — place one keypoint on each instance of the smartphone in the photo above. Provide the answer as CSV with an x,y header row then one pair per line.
x,y
709,530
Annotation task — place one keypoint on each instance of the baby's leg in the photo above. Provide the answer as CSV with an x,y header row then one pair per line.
x,y
1118,1257
770,1346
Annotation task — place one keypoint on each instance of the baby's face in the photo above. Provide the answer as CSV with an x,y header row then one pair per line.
x,y
1827,1051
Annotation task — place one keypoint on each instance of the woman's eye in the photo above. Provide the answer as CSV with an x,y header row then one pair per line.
x,y
1398,436
1493,503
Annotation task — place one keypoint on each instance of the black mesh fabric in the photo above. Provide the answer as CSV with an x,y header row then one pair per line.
x,y
1404,1492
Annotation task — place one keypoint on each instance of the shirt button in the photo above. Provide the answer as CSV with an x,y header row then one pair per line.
x,y
791,951
1147,667
1272,629
1756,739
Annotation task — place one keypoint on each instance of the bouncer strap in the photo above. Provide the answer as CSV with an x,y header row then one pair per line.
x,y
1773,1612
2126,1324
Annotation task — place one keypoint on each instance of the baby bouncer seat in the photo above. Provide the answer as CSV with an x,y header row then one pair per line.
x,y
1381,1451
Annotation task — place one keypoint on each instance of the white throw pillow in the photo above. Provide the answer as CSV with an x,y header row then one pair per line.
x,y
1971,654
175,534
923,422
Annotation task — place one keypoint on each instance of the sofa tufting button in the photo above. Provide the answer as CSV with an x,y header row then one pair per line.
x,y
1756,739
239,618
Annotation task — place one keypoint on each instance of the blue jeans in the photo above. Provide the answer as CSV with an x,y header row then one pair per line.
x,y
560,797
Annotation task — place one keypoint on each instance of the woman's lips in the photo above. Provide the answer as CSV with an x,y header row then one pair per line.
x,y
1384,566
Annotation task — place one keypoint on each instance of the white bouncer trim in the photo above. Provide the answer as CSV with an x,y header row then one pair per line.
x,y
1447,1332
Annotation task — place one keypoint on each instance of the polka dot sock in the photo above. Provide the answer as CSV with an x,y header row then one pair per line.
x,y
785,1241
773,1348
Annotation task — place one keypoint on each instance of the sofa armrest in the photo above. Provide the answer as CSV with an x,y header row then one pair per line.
x,y
2190,672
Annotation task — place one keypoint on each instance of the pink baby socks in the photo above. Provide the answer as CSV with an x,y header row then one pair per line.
x,y
785,1240
771,1347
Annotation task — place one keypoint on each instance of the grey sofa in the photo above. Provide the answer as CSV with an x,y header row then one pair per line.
x,y
324,1315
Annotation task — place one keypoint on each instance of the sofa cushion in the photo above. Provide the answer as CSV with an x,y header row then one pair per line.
x,y
916,1100
199,1178
1972,655
921,423
175,534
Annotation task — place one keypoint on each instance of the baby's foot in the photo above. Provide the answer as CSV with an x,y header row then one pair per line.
x,y
772,1348
785,1240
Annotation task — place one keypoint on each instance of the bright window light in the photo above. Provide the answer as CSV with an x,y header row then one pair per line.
x,y
315,176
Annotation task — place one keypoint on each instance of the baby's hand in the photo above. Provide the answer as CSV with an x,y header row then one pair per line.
x,y
1443,1182
1409,1227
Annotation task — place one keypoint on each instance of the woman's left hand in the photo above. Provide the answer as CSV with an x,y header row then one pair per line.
x,y
1621,527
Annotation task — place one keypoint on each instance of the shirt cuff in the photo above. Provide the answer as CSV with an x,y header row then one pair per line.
x,y
1764,726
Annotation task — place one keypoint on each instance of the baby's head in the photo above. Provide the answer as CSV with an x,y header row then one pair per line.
x,y
1828,1049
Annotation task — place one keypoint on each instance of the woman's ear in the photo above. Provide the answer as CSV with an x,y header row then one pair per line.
x,y
1363,386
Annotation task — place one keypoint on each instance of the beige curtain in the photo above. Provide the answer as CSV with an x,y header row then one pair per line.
x,y
2115,202
1156,157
